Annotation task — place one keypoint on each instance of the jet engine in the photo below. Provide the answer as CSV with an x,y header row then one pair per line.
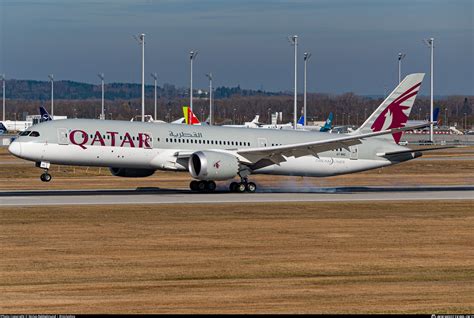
x,y
213,165
131,172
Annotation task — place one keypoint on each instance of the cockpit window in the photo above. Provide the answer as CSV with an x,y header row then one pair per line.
x,y
34,134
25,133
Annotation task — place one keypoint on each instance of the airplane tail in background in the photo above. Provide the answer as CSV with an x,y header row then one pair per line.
x,y
44,114
189,116
395,109
255,120
301,121
328,124
436,116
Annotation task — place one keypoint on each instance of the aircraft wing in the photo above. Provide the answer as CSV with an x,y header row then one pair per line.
x,y
260,157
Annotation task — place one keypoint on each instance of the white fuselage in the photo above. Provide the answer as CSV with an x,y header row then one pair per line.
x,y
167,147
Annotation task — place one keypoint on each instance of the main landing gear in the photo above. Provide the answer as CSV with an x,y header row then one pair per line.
x,y
202,186
243,186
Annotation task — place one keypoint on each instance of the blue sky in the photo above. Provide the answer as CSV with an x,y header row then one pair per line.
x,y
354,44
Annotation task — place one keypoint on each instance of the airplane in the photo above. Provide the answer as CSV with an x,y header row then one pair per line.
x,y
436,119
248,124
15,125
214,153
325,128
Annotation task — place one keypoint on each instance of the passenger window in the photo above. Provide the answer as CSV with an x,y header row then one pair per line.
x,y
34,134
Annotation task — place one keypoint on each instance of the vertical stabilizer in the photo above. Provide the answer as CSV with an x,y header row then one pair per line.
x,y
395,109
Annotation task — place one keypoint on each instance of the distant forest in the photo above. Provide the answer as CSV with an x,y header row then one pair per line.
x,y
231,104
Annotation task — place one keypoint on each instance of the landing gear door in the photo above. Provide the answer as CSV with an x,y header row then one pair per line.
x,y
62,136
354,152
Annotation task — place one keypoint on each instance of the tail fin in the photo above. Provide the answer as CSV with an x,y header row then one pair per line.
x,y
328,124
44,114
395,109
255,119
301,121
189,116
436,116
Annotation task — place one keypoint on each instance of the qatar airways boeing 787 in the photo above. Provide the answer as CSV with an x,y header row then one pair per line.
x,y
213,153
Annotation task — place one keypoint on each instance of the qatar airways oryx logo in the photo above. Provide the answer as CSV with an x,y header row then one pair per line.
x,y
109,138
217,164
396,114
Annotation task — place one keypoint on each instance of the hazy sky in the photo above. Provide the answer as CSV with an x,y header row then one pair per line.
x,y
354,43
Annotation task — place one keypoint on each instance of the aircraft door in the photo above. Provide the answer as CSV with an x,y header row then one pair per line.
x,y
62,136
262,142
354,152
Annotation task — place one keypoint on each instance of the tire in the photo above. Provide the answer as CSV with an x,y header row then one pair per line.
x,y
251,187
233,187
211,186
241,187
193,185
45,177
202,186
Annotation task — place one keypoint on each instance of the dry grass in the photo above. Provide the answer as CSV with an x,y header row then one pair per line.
x,y
371,257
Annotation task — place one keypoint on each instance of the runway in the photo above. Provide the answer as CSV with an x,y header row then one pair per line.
x,y
266,195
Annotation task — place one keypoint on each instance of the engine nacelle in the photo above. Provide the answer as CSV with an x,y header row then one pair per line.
x,y
213,165
131,172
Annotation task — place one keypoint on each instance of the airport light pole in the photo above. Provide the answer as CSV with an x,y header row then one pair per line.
x,y
294,41
3,102
307,56
101,76
446,117
401,56
51,78
430,43
155,77
141,40
209,76
192,56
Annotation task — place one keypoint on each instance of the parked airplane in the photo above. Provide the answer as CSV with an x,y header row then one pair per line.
x,y
249,124
212,153
15,125
325,128
436,119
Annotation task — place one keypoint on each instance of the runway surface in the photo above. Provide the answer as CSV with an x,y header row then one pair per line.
x,y
181,196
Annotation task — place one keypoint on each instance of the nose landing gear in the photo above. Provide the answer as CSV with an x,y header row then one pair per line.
x,y
45,177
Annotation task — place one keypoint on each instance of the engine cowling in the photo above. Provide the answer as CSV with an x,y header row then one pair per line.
x,y
212,165
131,172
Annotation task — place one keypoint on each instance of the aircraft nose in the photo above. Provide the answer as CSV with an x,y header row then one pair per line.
x,y
15,148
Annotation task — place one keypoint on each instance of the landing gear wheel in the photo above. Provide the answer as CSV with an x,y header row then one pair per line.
x,y
233,187
211,186
202,185
193,185
45,177
240,187
251,187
